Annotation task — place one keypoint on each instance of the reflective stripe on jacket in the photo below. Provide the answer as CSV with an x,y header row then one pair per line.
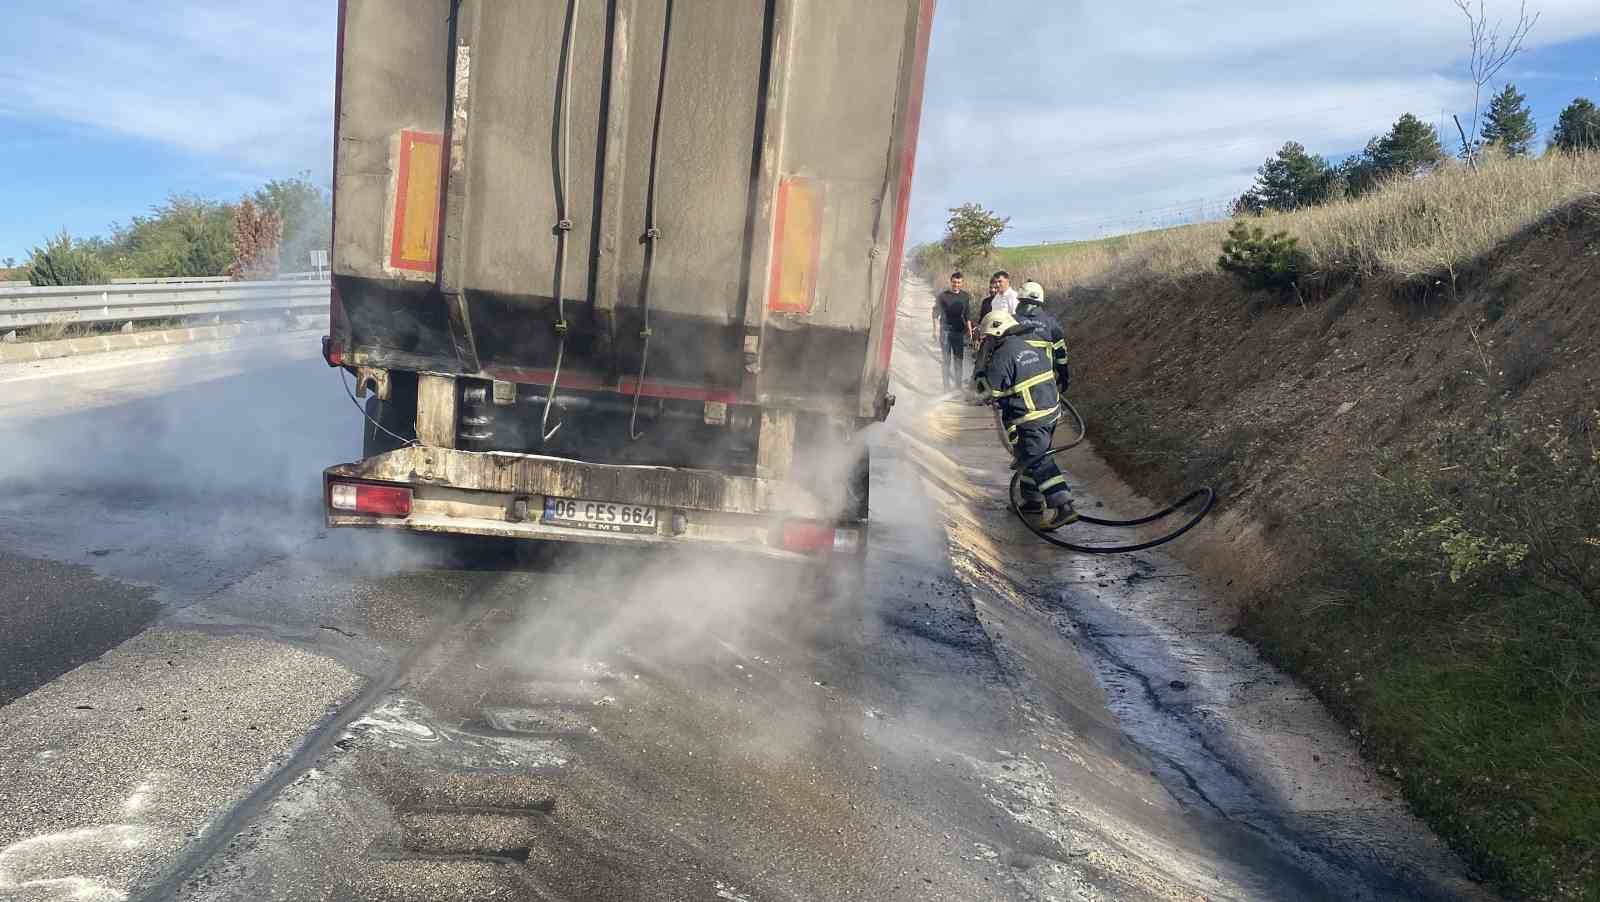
x,y
1020,379
1049,335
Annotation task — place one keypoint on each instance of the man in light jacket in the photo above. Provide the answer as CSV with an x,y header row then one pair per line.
x,y
1002,297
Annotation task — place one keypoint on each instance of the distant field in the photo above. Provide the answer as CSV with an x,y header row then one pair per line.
x,y
1020,258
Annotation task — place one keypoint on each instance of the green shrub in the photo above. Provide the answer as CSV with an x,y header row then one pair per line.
x,y
63,261
1261,261
1498,504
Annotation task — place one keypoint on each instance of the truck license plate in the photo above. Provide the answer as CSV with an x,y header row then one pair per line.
x,y
600,516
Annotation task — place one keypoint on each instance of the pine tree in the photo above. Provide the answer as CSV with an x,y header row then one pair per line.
x,y
1578,128
1509,123
1292,179
1410,146
1359,172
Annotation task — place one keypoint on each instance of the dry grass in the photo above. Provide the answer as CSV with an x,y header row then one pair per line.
x,y
58,330
1410,228
1435,225
53,331
1170,253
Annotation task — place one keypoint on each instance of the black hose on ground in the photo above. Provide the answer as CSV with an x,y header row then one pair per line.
x,y
1083,428
1083,432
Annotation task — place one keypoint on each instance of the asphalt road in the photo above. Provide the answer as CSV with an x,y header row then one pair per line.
x,y
206,695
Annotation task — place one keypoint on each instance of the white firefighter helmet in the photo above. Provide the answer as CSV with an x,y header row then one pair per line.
x,y
1031,291
996,323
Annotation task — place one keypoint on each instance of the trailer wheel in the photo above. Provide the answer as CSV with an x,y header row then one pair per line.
x,y
860,486
391,424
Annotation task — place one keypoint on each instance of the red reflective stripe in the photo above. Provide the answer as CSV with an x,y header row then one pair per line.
x,y
794,249
804,535
778,216
908,160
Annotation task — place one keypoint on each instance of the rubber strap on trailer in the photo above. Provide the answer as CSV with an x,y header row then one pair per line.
x,y
563,224
651,233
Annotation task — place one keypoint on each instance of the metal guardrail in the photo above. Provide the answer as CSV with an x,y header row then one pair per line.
x,y
22,308
172,280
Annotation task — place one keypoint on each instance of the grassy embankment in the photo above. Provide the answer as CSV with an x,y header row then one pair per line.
x,y
1416,435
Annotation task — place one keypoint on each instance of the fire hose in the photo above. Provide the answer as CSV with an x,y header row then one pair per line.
x,y
1204,492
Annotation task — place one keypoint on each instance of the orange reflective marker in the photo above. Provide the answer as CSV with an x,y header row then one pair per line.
x,y
797,245
415,244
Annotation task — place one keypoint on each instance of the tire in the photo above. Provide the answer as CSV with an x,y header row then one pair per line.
x,y
398,416
859,492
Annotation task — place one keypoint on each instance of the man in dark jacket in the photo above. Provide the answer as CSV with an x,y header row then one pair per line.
x,y
952,327
1019,379
1051,337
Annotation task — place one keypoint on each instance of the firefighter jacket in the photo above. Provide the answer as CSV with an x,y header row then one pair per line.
x,y
1050,336
1020,380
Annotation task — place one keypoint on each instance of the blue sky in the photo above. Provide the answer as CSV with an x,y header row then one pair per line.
x,y
1079,118
1076,118
107,107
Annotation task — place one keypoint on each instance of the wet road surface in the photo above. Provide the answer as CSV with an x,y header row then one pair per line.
x,y
274,711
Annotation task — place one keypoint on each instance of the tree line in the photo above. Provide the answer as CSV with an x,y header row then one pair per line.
x,y
1294,177
274,227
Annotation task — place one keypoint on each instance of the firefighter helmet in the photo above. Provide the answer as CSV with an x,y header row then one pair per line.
x,y
1031,291
996,323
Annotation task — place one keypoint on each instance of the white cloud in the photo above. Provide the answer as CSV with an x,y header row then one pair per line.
x,y
1082,117
247,87
1068,115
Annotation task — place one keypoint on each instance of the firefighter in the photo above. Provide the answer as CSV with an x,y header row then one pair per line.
x,y
1019,378
1050,336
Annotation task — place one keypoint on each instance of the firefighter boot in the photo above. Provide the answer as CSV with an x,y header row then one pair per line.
x,y
1057,517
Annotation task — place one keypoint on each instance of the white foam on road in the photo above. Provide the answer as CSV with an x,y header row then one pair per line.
x,y
73,864
108,809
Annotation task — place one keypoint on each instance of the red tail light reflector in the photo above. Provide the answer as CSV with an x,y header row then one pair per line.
x,y
362,498
803,535
810,536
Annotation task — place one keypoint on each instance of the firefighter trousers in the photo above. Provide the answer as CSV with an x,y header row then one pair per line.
x,y
1043,479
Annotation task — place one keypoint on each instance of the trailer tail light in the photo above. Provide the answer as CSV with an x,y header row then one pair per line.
x,y
362,498
796,246
808,536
